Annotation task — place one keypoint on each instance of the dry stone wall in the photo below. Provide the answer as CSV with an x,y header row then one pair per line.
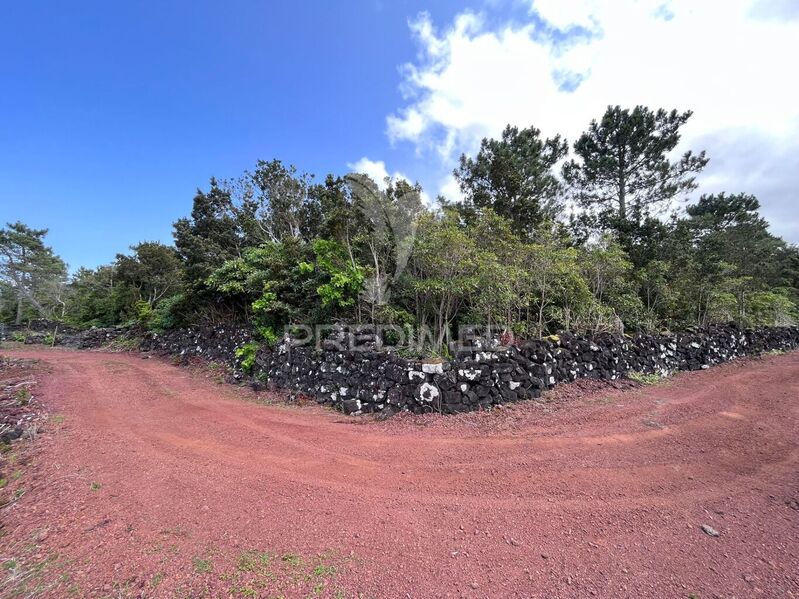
x,y
351,371
345,374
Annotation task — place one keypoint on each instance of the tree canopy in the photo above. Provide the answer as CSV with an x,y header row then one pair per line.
x,y
514,176
272,248
625,169
32,275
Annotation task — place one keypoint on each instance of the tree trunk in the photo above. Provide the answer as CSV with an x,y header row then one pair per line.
x,y
622,187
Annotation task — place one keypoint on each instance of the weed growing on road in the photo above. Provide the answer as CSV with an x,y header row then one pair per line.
x,y
324,570
293,560
251,561
21,577
257,573
201,565
95,486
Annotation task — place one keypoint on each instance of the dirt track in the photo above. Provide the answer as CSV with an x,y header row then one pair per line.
x,y
160,483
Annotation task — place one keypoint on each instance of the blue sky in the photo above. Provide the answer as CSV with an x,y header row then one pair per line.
x,y
113,113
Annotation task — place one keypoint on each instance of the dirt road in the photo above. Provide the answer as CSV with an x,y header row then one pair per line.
x,y
154,481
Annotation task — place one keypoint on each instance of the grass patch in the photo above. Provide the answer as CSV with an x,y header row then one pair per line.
x,y
324,570
645,378
272,574
292,559
124,344
95,486
252,561
202,565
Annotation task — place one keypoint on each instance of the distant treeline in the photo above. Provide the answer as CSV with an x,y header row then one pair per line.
x,y
593,239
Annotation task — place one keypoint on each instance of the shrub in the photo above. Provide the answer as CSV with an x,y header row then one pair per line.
x,y
23,396
144,313
246,355
167,314
268,335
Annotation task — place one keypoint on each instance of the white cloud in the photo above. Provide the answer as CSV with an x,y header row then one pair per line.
x,y
378,172
729,62
376,169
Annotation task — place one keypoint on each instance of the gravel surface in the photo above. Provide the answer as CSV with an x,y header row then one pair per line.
x,y
159,482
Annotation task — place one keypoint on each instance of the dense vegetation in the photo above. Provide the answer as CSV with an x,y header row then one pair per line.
x,y
542,241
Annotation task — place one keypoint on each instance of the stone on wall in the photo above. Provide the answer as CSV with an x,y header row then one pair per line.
x,y
353,373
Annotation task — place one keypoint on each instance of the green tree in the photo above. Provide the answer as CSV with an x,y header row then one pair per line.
x,y
153,272
291,282
340,217
558,289
93,297
608,272
343,279
514,177
272,282
729,228
501,294
445,273
32,270
212,234
625,170
391,217
276,202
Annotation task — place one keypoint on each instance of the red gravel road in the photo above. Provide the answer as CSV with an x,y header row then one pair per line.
x,y
162,483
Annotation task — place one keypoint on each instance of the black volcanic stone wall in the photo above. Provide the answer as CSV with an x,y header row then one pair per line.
x,y
369,380
351,372
38,331
218,344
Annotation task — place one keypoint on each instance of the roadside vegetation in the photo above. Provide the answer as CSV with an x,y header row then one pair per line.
x,y
590,236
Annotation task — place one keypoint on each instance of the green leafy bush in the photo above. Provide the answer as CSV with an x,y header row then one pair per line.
x,y
246,355
144,313
167,314
268,335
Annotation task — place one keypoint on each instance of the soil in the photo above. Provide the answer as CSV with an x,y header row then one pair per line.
x,y
155,481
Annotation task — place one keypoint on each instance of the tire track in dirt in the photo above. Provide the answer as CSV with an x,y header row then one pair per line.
x,y
602,495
